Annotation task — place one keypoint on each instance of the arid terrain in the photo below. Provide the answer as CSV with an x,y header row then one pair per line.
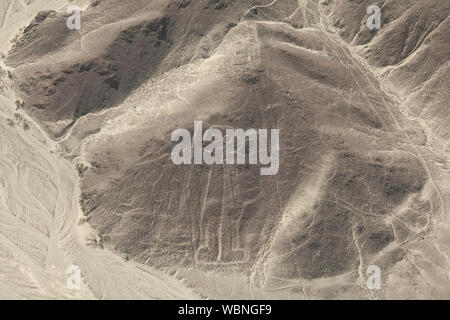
x,y
86,176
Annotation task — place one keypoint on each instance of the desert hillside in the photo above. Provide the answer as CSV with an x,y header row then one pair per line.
x,y
364,148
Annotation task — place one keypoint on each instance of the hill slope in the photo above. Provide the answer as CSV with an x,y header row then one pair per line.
x,y
363,177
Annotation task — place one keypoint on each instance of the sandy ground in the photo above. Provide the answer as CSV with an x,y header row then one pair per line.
x,y
40,234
